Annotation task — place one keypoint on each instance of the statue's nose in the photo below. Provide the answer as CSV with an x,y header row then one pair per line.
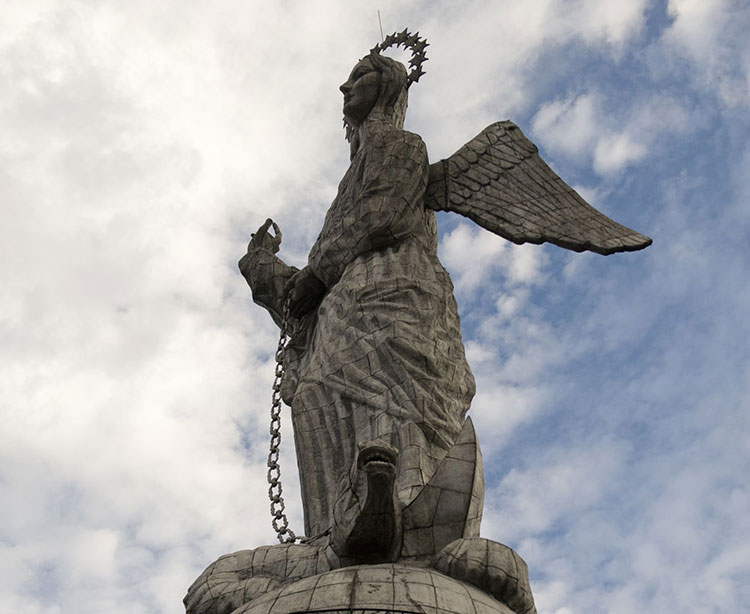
x,y
345,87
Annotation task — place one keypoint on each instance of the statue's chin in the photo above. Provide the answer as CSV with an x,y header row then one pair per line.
x,y
355,114
350,119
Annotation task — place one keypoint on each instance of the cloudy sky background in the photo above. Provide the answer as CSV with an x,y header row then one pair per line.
x,y
143,141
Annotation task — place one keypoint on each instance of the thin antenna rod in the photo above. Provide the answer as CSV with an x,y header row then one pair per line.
x,y
382,38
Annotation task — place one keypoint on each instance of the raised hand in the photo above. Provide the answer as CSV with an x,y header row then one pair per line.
x,y
262,239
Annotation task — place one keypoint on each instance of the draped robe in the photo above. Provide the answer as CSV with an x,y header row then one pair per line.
x,y
381,359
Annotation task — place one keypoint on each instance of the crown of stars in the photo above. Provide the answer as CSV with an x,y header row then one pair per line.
x,y
407,40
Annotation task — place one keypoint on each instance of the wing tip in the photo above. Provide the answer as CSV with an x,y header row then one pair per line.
x,y
630,243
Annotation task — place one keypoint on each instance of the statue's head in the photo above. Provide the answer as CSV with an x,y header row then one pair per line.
x,y
377,83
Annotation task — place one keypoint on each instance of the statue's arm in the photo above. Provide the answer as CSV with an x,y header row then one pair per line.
x,y
389,208
266,274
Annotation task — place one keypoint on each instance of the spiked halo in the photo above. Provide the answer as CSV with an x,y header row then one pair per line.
x,y
408,41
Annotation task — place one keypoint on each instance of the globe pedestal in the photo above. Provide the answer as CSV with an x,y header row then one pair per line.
x,y
370,589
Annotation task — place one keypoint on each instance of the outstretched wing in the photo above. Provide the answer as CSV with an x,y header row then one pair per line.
x,y
498,180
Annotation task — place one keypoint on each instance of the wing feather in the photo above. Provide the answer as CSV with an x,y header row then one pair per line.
x,y
499,181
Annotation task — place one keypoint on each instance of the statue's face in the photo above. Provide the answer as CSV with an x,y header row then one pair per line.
x,y
360,91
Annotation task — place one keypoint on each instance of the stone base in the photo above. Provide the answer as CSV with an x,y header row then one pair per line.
x,y
468,576
370,589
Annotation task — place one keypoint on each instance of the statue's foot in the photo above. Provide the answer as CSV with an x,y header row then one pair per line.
x,y
376,536
491,566
237,579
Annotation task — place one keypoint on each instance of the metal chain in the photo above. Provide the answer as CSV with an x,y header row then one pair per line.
x,y
279,519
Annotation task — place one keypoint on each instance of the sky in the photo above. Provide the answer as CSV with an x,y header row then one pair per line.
x,y
142,142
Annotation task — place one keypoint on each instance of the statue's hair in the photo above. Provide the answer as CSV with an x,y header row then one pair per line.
x,y
393,97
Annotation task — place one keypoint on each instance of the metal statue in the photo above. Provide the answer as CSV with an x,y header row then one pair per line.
x,y
375,370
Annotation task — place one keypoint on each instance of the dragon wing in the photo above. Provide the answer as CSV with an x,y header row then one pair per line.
x,y
498,180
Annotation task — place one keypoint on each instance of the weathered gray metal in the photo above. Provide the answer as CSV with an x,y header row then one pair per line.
x,y
375,370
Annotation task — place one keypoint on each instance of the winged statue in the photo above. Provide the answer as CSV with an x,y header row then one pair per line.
x,y
374,370
499,181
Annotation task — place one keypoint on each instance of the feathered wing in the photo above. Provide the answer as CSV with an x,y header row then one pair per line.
x,y
498,180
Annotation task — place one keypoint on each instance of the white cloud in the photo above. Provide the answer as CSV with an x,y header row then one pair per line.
x,y
501,406
615,22
614,152
590,126
500,63
526,264
511,304
712,34
143,142
569,125
562,484
473,255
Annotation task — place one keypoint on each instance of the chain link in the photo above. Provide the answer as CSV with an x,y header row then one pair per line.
x,y
278,517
